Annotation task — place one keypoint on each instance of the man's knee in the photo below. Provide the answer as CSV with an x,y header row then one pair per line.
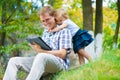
x,y
41,56
13,59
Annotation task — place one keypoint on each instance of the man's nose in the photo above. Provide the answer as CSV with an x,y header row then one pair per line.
x,y
45,23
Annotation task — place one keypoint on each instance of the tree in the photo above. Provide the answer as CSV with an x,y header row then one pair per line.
x,y
17,22
88,23
98,27
7,15
52,2
4,21
118,25
87,15
2,32
98,17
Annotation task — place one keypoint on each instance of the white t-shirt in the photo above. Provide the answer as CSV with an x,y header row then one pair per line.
x,y
71,26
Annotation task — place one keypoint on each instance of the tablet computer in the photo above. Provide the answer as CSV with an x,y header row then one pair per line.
x,y
39,41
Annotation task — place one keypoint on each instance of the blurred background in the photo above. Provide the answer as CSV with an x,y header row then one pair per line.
x,y
19,19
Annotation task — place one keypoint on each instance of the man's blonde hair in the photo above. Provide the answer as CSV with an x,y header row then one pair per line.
x,y
46,9
61,13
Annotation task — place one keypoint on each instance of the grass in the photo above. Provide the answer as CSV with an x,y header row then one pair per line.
x,y
1,72
106,68
21,75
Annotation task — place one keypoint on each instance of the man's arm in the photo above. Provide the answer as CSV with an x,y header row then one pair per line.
x,y
64,45
60,53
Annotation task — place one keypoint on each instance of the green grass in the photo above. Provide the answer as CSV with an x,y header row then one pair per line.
x,y
106,68
1,72
21,75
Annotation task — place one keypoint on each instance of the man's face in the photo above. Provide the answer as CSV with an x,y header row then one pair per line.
x,y
48,21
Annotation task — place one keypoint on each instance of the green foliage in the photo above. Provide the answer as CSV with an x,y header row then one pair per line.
x,y
106,68
112,5
56,3
77,4
9,49
118,41
22,75
23,22
1,72
109,24
75,15
108,38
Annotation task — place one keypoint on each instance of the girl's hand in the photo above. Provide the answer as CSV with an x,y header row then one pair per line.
x,y
54,30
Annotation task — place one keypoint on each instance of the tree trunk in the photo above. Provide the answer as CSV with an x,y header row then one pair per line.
x,y
99,17
4,18
3,33
117,27
88,23
98,28
87,15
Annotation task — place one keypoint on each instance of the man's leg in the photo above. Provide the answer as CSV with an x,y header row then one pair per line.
x,y
44,63
15,64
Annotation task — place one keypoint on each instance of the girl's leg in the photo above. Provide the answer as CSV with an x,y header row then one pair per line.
x,y
81,59
83,53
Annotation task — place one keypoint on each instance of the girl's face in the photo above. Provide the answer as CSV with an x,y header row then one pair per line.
x,y
58,20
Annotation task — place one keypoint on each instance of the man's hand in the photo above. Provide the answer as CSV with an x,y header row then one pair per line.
x,y
36,47
60,53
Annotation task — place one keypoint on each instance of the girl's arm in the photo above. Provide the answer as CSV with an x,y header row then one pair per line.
x,y
64,25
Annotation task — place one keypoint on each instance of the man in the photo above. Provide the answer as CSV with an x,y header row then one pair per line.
x,y
45,61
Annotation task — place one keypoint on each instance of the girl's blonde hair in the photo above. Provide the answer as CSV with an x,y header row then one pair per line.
x,y
61,13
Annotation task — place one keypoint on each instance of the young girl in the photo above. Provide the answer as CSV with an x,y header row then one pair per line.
x,y
80,38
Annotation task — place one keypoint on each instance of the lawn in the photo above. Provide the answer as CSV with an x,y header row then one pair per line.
x,y
105,68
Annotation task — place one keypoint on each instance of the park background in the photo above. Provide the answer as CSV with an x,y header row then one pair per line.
x,y
19,19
